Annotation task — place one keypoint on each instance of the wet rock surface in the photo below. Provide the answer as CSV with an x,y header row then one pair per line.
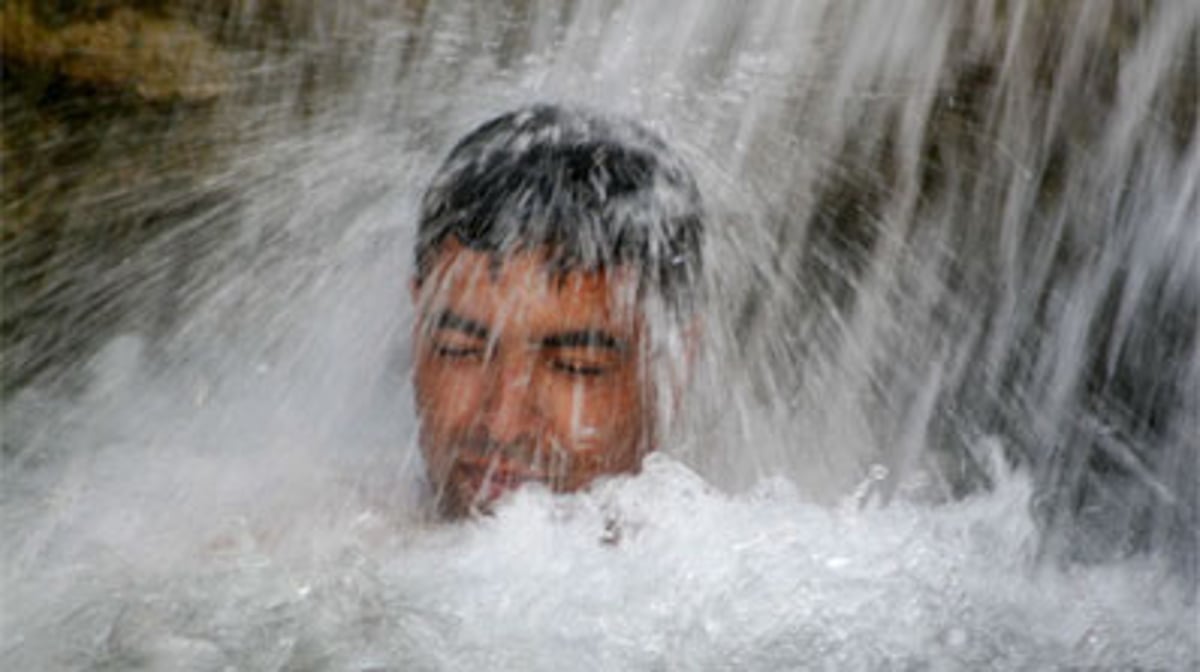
x,y
119,120
114,121
154,59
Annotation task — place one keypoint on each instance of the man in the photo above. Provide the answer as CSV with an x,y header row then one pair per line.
x,y
557,275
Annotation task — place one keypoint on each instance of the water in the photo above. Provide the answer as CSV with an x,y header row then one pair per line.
x,y
945,418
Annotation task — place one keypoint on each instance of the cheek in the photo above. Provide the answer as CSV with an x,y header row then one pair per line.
x,y
598,417
605,431
447,396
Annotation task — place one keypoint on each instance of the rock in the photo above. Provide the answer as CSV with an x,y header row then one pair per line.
x,y
157,60
24,40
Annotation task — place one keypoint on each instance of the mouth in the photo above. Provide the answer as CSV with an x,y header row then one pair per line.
x,y
486,480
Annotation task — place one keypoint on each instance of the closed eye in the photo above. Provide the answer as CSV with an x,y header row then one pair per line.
x,y
580,369
458,351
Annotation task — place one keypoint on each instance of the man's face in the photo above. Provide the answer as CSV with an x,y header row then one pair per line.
x,y
522,375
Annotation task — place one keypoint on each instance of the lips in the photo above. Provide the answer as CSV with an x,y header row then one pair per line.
x,y
491,478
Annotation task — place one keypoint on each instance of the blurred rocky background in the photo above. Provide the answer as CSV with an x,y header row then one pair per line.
x,y
117,118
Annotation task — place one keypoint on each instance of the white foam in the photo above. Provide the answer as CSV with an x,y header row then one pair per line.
x,y
176,559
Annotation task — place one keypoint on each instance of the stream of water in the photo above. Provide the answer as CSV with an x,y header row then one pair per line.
x,y
945,416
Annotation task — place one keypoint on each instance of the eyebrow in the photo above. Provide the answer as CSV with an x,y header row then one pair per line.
x,y
454,322
585,338
579,338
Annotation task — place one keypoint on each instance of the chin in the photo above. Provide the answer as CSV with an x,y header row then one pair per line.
x,y
473,494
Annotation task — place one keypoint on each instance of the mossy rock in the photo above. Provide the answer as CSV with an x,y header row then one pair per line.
x,y
154,59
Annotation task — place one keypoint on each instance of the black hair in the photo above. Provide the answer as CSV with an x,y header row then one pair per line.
x,y
595,192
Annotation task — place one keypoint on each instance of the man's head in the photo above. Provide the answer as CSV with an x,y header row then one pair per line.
x,y
547,241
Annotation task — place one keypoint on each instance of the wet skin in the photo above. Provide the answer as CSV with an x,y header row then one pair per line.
x,y
524,376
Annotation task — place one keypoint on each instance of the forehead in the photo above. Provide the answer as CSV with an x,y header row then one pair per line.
x,y
524,289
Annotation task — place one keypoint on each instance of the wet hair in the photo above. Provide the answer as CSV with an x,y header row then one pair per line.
x,y
594,192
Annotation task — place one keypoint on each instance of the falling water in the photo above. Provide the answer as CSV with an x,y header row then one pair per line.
x,y
946,415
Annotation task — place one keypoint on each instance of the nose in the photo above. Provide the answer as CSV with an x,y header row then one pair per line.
x,y
510,413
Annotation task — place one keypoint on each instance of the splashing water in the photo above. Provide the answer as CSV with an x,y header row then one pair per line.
x,y
945,241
